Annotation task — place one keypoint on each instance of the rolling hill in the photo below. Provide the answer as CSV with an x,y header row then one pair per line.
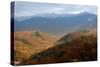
x,y
76,46
28,43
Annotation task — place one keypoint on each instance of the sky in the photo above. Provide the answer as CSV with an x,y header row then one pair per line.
x,y
25,9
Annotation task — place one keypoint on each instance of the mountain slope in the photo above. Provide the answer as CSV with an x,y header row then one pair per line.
x,y
81,47
28,43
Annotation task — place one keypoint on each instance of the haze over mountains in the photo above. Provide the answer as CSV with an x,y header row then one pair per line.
x,y
53,33
57,24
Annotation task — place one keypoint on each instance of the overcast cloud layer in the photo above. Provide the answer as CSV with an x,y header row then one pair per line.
x,y
23,9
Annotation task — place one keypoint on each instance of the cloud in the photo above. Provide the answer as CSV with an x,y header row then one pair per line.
x,y
76,12
23,9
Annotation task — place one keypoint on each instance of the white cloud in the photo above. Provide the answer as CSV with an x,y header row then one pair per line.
x,y
76,12
23,9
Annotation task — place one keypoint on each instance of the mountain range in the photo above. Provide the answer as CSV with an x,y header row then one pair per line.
x,y
57,24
